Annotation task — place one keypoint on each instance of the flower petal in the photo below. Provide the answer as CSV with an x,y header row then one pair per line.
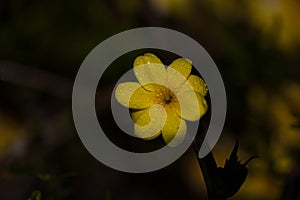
x,y
203,107
194,83
152,58
189,105
148,69
141,98
149,122
174,129
183,66
198,84
133,95
124,91
174,79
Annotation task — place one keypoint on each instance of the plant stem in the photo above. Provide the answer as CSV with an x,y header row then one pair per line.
x,y
209,169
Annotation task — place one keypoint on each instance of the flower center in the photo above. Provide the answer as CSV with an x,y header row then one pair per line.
x,y
168,99
165,96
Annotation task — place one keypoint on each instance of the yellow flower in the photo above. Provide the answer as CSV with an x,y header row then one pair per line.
x,y
163,98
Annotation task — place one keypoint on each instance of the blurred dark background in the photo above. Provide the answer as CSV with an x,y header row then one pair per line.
x,y
255,44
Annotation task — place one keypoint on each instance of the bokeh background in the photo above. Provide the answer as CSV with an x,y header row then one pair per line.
x,y
255,44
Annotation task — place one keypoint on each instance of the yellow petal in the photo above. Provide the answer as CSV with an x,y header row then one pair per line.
x,y
175,79
203,107
132,95
195,83
149,122
135,114
174,129
124,92
152,58
142,98
148,69
189,105
182,65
